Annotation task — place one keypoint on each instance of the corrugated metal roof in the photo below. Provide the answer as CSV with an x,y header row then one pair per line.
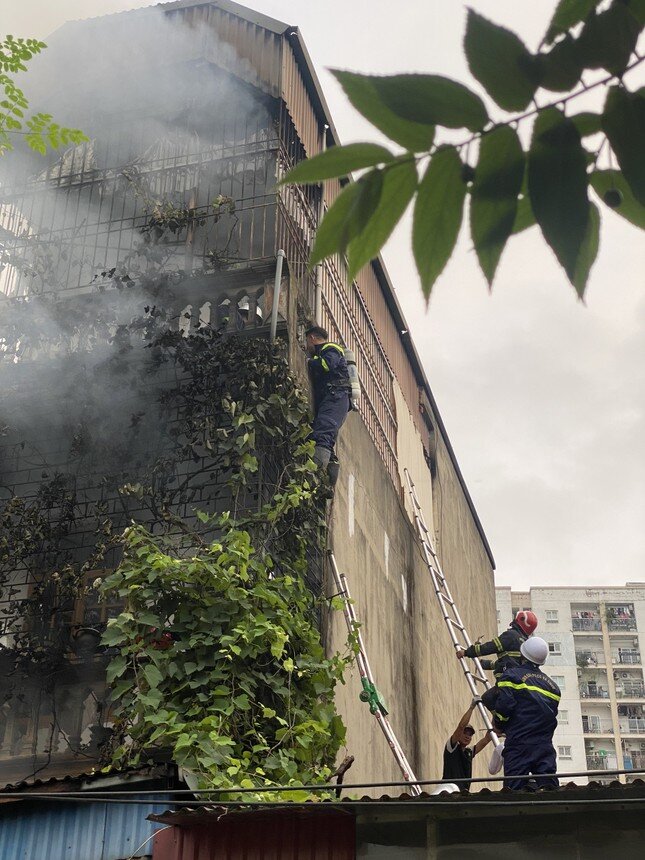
x,y
77,831
571,791
70,781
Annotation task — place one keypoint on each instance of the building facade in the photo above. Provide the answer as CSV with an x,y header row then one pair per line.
x,y
596,640
202,107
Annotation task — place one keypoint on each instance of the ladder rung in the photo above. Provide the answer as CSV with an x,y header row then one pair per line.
x,y
454,623
445,597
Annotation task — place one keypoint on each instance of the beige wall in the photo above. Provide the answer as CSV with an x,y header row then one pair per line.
x,y
408,645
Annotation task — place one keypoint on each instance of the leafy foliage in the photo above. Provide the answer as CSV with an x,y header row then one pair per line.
x,y
411,110
244,694
39,129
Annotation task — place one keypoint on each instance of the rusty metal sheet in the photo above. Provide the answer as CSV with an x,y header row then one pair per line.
x,y
279,834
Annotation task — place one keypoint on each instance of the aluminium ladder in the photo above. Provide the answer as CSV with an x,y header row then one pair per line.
x,y
449,609
370,693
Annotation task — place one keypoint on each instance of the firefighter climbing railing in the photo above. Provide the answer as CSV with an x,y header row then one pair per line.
x,y
448,607
370,693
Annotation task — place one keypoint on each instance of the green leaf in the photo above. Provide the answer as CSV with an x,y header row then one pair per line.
x,y
524,217
560,67
360,90
588,251
623,122
338,161
603,181
433,100
399,185
437,215
152,675
347,216
587,123
500,61
637,8
115,669
493,204
567,14
557,181
608,40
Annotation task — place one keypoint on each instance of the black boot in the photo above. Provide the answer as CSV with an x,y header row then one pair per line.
x,y
333,470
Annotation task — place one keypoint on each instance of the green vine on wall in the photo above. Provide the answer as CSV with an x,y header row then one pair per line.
x,y
217,654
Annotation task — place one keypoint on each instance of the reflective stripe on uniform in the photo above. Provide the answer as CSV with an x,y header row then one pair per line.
x,y
529,687
325,366
497,642
333,346
500,717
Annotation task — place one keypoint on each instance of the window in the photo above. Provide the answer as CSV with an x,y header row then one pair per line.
x,y
563,718
559,680
564,752
554,648
552,616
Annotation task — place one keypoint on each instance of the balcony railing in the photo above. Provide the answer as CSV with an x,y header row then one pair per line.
x,y
590,658
621,624
601,762
591,691
634,760
582,624
630,690
592,725
627,657
632,726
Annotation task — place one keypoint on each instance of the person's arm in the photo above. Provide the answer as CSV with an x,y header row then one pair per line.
x,y
479,746
494,646
463,722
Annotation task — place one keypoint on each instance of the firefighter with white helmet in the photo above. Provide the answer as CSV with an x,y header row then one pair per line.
x,y
527,708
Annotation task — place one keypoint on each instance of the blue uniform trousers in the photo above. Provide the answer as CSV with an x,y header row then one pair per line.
x,y
330,416
536,757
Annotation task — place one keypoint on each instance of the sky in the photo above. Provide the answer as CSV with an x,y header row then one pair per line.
x,y
543,396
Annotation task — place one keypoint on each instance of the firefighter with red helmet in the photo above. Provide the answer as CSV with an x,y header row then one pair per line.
x,y
506,647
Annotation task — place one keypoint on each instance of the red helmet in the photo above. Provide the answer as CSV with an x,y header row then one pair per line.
x,y
526,621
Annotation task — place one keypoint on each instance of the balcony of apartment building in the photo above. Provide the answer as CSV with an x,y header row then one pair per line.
x,y
629,683
585,618
596,720
601,755
627,654
631,719
589,652
620,618
592,683
634,758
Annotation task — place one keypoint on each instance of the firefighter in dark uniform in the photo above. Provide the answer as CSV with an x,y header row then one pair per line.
x,y
527,708
331,391
507,648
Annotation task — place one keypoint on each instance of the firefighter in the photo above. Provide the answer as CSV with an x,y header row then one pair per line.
x,y
331,390
507,648
527,707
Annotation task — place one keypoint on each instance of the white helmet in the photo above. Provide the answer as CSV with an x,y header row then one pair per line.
x,y
535,650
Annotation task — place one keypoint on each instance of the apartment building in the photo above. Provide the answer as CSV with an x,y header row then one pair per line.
x,y
596,638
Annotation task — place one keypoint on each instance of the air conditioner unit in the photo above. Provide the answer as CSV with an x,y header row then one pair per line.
x,y
624,674
643,745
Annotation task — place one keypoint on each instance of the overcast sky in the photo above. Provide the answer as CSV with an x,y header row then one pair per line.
x,y
543,397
